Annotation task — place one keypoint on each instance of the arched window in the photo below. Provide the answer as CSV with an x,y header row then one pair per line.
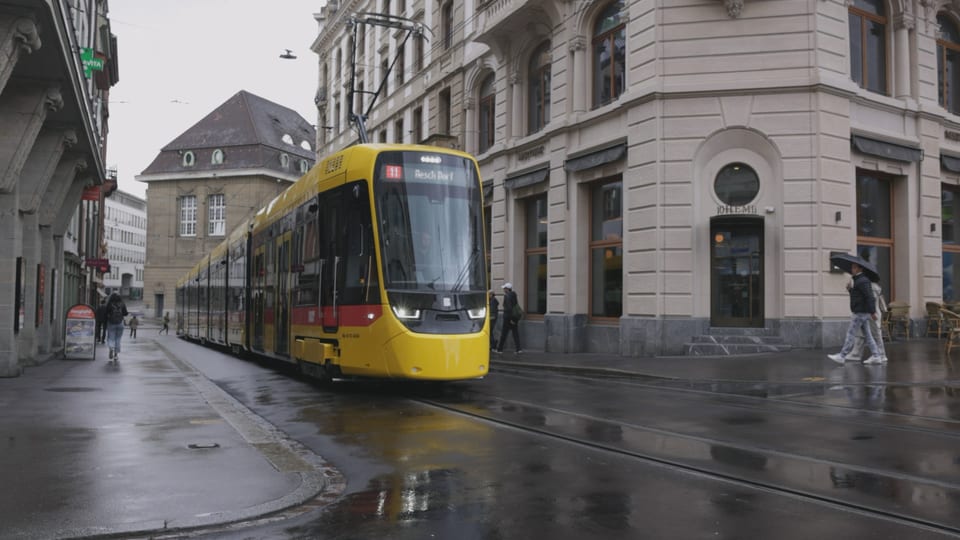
x,y
948,64
609,55
539,90
868,44
217,157
487,113
189,159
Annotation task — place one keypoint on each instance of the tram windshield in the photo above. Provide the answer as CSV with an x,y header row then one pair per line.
x,y
430,220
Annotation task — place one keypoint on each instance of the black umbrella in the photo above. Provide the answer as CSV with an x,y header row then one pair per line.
x,y
845,261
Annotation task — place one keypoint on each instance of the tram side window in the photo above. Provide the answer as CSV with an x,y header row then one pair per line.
x,y
306,261
361,284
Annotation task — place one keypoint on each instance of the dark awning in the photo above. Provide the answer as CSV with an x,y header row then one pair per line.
x,y
595,158
488,191
525,179
897,152
950,163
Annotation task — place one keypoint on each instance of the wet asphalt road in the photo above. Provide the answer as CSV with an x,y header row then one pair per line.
x,y
529,454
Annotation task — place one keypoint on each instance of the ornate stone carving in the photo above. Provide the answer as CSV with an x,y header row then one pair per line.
x,y
734,7
578,43
26,35
469,103
53,101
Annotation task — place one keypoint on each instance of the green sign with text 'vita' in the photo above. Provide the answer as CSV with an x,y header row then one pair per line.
x,y
90,63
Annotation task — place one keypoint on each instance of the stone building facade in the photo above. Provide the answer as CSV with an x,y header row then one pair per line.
x,y
57,65
663,174
211,178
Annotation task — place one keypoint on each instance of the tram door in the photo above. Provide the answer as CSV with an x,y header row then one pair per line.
x,y
330,248
257,281
736,285
282,324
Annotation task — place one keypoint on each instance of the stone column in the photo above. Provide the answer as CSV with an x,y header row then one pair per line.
x,y
27,338
10,246
901,40
515,112
56,293
23,111
579,77
470,124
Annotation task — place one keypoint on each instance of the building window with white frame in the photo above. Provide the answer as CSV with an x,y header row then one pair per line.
x,y
217,157
609,54
948,64
188,215
216,215
606,249
539,88
868,44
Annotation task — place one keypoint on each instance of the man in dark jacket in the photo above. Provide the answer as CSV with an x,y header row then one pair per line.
x,y
494,314
863,306
100,335
510,321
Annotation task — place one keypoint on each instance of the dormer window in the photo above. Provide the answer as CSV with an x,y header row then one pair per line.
x,y
189,160
285,160
217,157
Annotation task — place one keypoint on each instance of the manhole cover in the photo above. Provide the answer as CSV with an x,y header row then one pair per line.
x,y
203,446
71,389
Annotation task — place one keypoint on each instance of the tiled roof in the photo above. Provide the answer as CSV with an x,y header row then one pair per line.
x,y
251,131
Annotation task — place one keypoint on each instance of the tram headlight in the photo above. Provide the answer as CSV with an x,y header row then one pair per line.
x,y
477,313
406,313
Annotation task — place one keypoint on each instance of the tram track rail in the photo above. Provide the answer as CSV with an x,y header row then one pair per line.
x,y
856,488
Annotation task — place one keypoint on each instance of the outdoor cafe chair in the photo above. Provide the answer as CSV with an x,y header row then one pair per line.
x,y
898,316
952,321
935,319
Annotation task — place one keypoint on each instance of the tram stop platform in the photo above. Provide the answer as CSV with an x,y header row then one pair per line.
x,y
147,447
151,447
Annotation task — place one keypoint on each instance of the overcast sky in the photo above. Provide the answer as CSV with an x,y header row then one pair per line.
x,y
181,59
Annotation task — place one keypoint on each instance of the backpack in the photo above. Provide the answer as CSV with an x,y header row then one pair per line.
x,y
115,313
517,312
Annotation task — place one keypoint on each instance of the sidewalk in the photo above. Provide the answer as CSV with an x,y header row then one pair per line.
x,y
913,361
147,447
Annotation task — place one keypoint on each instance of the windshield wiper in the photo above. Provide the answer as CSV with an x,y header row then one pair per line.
x,y
465,271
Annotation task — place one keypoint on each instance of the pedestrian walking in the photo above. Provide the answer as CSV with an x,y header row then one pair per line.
x,y
100,330
875,328
116,311
511,318
863,307
165,329
133,324
494,315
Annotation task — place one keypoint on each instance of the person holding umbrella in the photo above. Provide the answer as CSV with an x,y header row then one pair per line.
x,y
863,306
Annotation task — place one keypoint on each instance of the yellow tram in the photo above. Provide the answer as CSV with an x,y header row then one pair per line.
x,y
370,265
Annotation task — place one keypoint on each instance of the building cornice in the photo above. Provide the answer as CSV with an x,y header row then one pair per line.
x,y
220,174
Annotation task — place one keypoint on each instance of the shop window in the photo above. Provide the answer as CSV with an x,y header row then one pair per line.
x,y
875,228
535,255
606,250
950,231
868,44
